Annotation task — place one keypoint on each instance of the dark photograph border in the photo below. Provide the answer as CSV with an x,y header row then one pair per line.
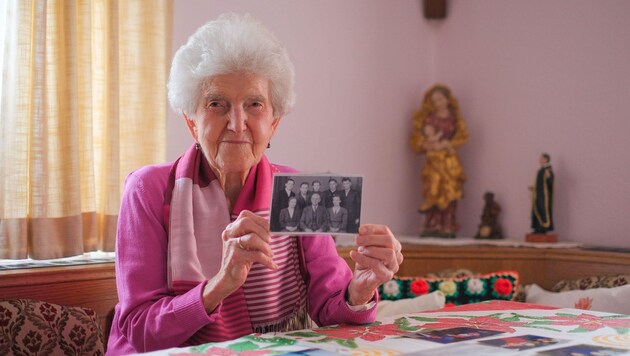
x,y
313,204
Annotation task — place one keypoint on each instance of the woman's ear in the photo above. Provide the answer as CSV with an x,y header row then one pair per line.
x,y
274,124
192,127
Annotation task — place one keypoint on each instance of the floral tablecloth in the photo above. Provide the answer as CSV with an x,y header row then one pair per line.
x,y
495,327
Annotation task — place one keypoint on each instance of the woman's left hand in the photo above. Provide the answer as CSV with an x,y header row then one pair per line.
x,y
377,259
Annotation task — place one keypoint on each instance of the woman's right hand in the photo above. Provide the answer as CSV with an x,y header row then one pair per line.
x,y
246,240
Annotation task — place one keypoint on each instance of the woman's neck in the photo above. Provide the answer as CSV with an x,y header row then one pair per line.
x,y
232,184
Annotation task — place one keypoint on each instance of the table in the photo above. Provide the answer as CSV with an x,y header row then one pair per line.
x,y
494,327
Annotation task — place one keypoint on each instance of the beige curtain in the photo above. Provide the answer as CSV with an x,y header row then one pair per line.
x,y
83,103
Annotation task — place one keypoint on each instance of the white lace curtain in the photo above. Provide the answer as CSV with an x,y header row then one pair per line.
x,y
82,104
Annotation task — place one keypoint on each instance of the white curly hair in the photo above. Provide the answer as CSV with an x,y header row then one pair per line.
x,y
231,43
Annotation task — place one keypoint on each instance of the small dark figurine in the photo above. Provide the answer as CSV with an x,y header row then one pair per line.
x,y
542,197
489,227
542,203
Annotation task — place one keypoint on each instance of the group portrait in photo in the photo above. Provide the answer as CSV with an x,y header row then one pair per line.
x,y
316,204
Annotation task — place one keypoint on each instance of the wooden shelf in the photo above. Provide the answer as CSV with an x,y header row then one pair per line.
x,y
544,267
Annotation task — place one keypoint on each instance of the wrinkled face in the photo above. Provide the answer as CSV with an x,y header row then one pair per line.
x,y
315,199
234,121
440,102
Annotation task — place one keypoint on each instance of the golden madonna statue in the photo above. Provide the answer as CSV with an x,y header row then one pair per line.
x,y
438,130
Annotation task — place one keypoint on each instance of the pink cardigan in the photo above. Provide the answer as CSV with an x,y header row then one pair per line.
x,y
148,317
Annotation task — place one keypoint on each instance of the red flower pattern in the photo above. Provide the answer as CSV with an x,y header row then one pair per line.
x,y
590,322
365,332
584,303
33,341
503,286
480,322
419,287
78,335
48,311
5,316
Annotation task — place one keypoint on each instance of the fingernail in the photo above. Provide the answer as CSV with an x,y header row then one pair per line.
x,y
362,230
361,249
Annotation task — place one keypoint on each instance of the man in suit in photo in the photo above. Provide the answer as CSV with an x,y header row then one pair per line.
x,y
315,188
351,200
314,217
337,216
303,197
328,194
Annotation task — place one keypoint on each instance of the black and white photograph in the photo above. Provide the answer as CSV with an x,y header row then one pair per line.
x,y
310,204
521,342
451,335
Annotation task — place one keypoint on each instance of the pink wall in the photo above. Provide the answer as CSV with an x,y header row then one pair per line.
x,y
531,76
552,76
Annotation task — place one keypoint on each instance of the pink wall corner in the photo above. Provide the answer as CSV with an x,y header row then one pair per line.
x,y
531,76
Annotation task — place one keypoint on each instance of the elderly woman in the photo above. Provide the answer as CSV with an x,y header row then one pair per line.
x,y
195,260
